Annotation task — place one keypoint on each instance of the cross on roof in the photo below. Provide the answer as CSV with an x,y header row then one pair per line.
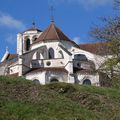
x,y
52,9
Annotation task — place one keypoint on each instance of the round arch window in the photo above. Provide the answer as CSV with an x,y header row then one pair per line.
x,y
48,63
86,82
54,80
36,81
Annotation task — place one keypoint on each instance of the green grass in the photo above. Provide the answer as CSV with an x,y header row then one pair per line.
x,y
23,100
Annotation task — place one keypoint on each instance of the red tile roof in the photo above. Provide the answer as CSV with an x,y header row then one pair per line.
x,y
11,56
53,33
96,48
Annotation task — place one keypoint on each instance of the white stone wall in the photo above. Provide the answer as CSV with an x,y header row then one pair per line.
x,y
21,37
94,78
60,76
2,69
98,60
45,76
14,69
37,76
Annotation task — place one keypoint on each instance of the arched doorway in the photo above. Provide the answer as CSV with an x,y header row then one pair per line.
x,y
86,82
27,44
54,80
36,81
51,53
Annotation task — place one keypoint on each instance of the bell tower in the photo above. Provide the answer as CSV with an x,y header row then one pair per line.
x,y
27,38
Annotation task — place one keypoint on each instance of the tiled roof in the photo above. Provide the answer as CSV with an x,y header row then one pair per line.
x,y
33,29
96,48
11,56
53,33
47,69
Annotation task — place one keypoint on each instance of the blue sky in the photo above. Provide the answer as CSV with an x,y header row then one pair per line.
x,y
74,17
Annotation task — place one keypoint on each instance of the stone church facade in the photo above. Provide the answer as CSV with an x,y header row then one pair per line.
x,y
50,56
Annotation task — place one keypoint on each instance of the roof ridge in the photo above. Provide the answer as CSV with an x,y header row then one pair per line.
x,y
46,32
56,31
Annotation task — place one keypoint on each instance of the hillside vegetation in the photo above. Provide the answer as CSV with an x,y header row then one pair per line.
x,y
23,100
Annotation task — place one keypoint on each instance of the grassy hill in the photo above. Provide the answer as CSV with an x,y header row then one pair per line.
x,y
24,100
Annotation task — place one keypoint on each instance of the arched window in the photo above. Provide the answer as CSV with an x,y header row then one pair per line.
x,y
80,57
27,44
34,38
51,53
36,56
60,54
54,80
86,82
36,81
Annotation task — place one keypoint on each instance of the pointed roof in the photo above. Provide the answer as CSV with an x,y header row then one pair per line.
x,y
53,33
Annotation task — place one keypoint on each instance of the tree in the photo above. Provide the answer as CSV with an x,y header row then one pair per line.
x,y
117,4
109,34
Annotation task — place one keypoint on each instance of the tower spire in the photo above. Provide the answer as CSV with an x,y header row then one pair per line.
x,y
52,9
33,24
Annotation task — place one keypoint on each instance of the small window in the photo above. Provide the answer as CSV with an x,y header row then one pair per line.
x,y
60,54
34,38
48,63
87,82
54,80
27,44
36,81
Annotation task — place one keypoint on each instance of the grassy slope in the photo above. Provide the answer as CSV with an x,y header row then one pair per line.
x,y
23,100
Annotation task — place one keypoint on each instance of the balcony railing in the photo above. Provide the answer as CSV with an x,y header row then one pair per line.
x,y
48,63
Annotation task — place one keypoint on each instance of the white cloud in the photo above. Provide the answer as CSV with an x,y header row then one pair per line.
x,y
76,39
11,39
94,3
10,22
87,4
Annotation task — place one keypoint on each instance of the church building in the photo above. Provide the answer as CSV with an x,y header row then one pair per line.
x,y
50,56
